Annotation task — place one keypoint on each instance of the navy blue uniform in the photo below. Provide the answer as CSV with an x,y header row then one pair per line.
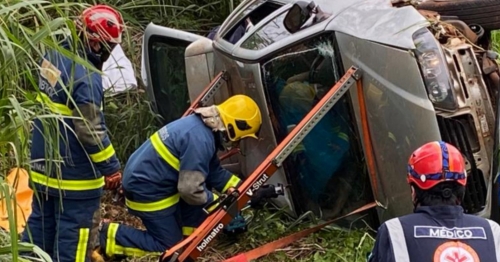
x,y
73,180
150,184
438,233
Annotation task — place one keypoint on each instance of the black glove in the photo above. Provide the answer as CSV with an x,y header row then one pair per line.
x,y
119,197
265,192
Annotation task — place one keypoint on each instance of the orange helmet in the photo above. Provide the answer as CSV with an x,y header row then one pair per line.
x,y
101,23
436,162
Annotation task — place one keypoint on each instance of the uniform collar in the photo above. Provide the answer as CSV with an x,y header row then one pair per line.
x,y
448,211
84,53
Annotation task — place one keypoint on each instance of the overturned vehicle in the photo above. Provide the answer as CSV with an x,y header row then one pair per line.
x,y
426,74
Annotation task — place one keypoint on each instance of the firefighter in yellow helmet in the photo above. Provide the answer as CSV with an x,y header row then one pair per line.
x,y
169,179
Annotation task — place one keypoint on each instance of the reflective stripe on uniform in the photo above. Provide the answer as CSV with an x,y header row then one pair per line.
x,y
53,106
233,182
187,231
103,155
74,185
110,239
112,248
81,248
153,206
213,207
398,240
62,109
495,231
163,151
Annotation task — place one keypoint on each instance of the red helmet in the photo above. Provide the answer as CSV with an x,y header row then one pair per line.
x,y
436,162
101,23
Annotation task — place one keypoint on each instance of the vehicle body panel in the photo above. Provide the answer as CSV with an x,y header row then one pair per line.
x,y
401,117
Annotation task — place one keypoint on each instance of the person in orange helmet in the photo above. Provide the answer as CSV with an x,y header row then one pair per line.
x,y
68,190
438,230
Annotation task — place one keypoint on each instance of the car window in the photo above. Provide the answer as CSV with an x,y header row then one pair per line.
x,y
270,33
168,76
331,170
251,16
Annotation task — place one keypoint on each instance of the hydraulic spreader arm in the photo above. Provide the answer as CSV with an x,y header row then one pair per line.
x,y
208,93
235,199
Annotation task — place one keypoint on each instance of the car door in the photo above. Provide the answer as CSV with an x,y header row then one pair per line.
x,y
163,69
176,67
400,118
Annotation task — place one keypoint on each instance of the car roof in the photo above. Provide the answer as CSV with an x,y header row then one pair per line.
x,y
329,6
374,20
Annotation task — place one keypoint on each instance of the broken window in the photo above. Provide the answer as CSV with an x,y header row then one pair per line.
x,y
252,15
268,34
327,169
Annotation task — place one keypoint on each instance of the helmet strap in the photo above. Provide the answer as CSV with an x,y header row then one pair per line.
x,y
104,52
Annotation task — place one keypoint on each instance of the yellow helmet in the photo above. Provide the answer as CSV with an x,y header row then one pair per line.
x,y
241,117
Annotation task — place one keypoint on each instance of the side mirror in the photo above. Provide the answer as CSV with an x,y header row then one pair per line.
x,y
298,15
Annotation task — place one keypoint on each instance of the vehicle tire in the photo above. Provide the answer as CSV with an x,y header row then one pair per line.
x,y
482,12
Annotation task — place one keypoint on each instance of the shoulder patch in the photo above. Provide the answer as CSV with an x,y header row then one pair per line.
x,y
455,251
449,233
50,72
163,132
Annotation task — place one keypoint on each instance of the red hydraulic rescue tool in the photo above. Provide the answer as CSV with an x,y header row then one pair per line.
x,y
236,199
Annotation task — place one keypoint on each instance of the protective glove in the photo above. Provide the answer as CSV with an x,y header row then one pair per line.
x,y
265,192
119,197
113,181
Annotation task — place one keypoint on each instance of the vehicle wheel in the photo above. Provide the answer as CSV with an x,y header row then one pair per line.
x,y
482,12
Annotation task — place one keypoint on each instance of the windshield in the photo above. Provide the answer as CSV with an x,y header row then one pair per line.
x,y
327,169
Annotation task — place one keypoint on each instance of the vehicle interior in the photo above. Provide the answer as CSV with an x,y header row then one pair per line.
x,y
331,171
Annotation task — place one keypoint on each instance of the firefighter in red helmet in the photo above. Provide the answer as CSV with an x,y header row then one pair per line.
x,y
438,230
68,193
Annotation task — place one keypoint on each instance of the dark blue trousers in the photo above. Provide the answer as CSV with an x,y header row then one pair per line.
x,y
162,232
61,227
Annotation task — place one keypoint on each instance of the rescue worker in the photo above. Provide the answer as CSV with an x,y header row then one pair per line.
x,y
69,187
169,179
438,230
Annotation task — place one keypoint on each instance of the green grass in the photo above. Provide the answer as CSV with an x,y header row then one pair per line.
x,y
329,244
268,224
130,121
